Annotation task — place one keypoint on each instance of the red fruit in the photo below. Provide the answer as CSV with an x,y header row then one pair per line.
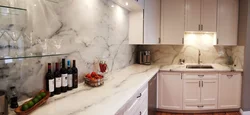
x,y
88,75
93,74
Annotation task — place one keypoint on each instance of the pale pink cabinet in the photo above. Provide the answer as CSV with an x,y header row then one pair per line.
x,y
201,15
170,91
172,21
229,90
227,27
152,21
200,91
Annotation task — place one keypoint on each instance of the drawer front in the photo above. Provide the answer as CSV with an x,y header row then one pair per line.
x,y
143,103
200,76
199,106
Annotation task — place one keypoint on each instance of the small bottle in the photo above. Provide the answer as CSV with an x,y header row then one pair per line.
x,y
70,76
50,81
58,80
13,97
64,77
75,74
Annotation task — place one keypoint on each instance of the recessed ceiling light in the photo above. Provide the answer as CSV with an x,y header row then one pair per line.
x,y
126,3
112,6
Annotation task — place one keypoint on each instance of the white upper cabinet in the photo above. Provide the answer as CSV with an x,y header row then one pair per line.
x,y
152,21
209,15
229,90
136,27
201,15
227,27
170,91
193,15
172,21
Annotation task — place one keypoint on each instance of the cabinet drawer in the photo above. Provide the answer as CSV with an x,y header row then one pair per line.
x,y
191,106
200,76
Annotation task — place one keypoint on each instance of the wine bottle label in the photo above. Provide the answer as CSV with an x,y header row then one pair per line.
x,y
58,82
70,80
51,85
64,80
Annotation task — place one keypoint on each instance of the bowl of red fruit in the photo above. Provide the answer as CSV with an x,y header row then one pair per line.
x,y
93,79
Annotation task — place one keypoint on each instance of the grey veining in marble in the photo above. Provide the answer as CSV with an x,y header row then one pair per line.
x,y
91,28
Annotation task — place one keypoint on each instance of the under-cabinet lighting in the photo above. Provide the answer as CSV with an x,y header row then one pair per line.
x,y
126,3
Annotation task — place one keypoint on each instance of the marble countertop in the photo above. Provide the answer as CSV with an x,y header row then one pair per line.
x,y
216,68
119,87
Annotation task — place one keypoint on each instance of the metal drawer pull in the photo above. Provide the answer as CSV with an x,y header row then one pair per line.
x,y
139,96
201,83
201,75
140,113
200,106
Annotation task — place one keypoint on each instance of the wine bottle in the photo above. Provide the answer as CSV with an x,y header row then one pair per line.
x,y
58,80
70,77
64,77
75,74
50,81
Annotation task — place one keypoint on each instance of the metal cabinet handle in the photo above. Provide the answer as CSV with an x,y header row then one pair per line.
x,y
201,83
140,112
159,40
217,41
139,96
201,27
201,75
229,76
200,106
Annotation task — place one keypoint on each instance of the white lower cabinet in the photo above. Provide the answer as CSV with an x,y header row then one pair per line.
x,y
229,90
137,105
200,91
170,91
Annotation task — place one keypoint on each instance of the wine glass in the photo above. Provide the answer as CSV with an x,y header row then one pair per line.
x,y
103,68
15,35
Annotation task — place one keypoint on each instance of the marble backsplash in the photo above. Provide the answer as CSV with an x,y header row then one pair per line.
x,y
92,29
171,54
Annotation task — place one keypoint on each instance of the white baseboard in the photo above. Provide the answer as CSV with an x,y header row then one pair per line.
x,y
244,112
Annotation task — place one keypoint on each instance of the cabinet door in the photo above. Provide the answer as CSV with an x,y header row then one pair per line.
x,y
209,15
229,91
136,27
209,93
170,91
193,15
152,95
152,14
227,26
191,91
172,21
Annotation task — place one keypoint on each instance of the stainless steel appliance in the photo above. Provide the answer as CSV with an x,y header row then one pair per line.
x,y
152,90
144,57
3,103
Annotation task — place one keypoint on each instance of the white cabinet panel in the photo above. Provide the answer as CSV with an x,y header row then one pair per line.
x,y
209,15
191,91
229,90
170,91
193,15
136,27
227,27
152,21
209,93
172,21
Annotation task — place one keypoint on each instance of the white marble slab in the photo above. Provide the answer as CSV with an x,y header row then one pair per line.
x,y
104,100
216,68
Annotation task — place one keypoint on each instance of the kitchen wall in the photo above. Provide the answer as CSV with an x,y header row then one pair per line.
x,y
92,29
171,54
